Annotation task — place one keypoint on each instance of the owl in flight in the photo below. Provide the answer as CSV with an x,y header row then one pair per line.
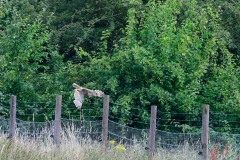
x,y
81,92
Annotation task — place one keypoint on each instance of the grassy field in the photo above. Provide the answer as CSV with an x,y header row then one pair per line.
x,y
22,148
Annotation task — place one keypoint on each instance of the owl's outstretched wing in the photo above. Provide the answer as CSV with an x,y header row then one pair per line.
x,y
80,92
89,92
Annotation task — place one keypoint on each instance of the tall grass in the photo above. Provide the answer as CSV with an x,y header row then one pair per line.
x,y
71,148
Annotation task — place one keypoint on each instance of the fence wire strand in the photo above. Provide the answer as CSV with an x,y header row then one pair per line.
x,y
82,126
119,132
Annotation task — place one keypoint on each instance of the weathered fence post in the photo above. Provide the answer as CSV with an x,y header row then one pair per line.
x,y
12,121
152,133
57,121
105,121
205,131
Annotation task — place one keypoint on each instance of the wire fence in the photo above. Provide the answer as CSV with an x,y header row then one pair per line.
x,y
173,130
118,132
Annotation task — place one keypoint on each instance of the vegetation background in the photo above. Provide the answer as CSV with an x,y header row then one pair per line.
x,y
176,54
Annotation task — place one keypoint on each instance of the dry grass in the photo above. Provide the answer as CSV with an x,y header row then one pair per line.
x,y
227,153
70,149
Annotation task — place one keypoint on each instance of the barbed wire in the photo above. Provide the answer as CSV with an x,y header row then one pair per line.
x,y
129,120
126,126
131,108
84,116
26,114
180,120
180,113
49,102
87,132
223,121
220,113
123,114
166,145
172,113
84,109
126,114
84,103
34,107
175,125
19,101
76,120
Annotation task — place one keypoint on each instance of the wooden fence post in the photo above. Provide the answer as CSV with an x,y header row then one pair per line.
x,y
12,121
205,131
105,121
57,121
152,133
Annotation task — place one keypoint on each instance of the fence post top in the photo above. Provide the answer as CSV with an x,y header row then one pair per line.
x,y
154,107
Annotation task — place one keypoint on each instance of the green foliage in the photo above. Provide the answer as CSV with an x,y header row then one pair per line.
x,y
174,55
81,24
25,56
230,20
